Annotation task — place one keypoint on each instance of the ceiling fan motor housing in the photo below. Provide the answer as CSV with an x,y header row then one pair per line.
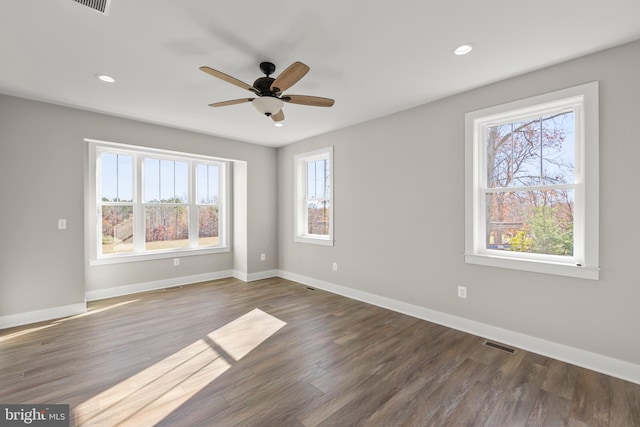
x,y
263,85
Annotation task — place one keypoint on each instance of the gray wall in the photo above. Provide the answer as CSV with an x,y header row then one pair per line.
x,y
403,175
42,163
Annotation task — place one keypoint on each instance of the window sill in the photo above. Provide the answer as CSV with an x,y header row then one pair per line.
x,y
118,259
314,240
558,269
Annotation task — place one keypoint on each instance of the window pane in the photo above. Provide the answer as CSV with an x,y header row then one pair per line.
x,y
311,180
208,226
318,217
125,178
117,229
207,186
181,176
166,227
166,181
116,178
525,151
318,179
536,151
322,178
151,180
538,222
558,151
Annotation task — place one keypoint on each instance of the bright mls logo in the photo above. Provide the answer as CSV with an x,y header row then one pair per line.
x,y
34,415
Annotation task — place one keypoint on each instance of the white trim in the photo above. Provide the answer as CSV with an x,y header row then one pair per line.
x,y
155,285
586,359
149,256
43,315
558,269
320,240
251,277
240,275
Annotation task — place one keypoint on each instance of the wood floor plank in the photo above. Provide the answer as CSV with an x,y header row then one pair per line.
x,y
561,379
476,407
500,372
522,389
416,387
549,410
193,356
591,398
449,394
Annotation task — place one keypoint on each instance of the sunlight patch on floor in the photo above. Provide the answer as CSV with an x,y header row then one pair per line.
x,y
56,322
25,332
152,394
91,312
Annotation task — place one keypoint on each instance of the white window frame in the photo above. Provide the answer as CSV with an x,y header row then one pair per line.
x,y
300,197
584,263
94,230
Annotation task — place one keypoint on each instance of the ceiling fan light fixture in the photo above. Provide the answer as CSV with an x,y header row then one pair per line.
x,y
267,105
278,124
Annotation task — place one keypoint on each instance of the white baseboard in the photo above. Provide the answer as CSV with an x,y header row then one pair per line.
x,y
240,275
155,285
596,362
42,315
252,277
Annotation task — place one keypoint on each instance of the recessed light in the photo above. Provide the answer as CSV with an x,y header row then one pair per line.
x,y
463,49
105,78
278,124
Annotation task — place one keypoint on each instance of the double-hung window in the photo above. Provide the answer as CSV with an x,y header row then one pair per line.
x,y
148,203
532,184
314,197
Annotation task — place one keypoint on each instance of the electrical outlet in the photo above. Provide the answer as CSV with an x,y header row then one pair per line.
x,y
462,291
335,266
263,257
62,224
176,262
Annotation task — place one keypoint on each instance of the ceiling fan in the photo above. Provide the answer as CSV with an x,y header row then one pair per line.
x,y
268,90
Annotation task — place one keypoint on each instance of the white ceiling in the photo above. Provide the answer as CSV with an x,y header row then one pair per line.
x,y
374,58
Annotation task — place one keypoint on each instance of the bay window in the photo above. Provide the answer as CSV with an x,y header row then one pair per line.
x,y
149,203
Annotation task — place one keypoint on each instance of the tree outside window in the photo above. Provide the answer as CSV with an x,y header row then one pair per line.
x,y
530,172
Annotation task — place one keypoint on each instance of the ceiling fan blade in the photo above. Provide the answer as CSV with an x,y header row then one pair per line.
x,y
231,102
278,117
227,78
289,77
314,101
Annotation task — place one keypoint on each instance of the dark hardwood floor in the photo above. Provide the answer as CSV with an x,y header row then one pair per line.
x,y
276,353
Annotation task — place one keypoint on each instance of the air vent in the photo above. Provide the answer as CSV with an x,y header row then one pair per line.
x,y
97,5
500,347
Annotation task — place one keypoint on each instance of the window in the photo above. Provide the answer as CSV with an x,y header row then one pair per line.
x,y
150,203
532,184
314,197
